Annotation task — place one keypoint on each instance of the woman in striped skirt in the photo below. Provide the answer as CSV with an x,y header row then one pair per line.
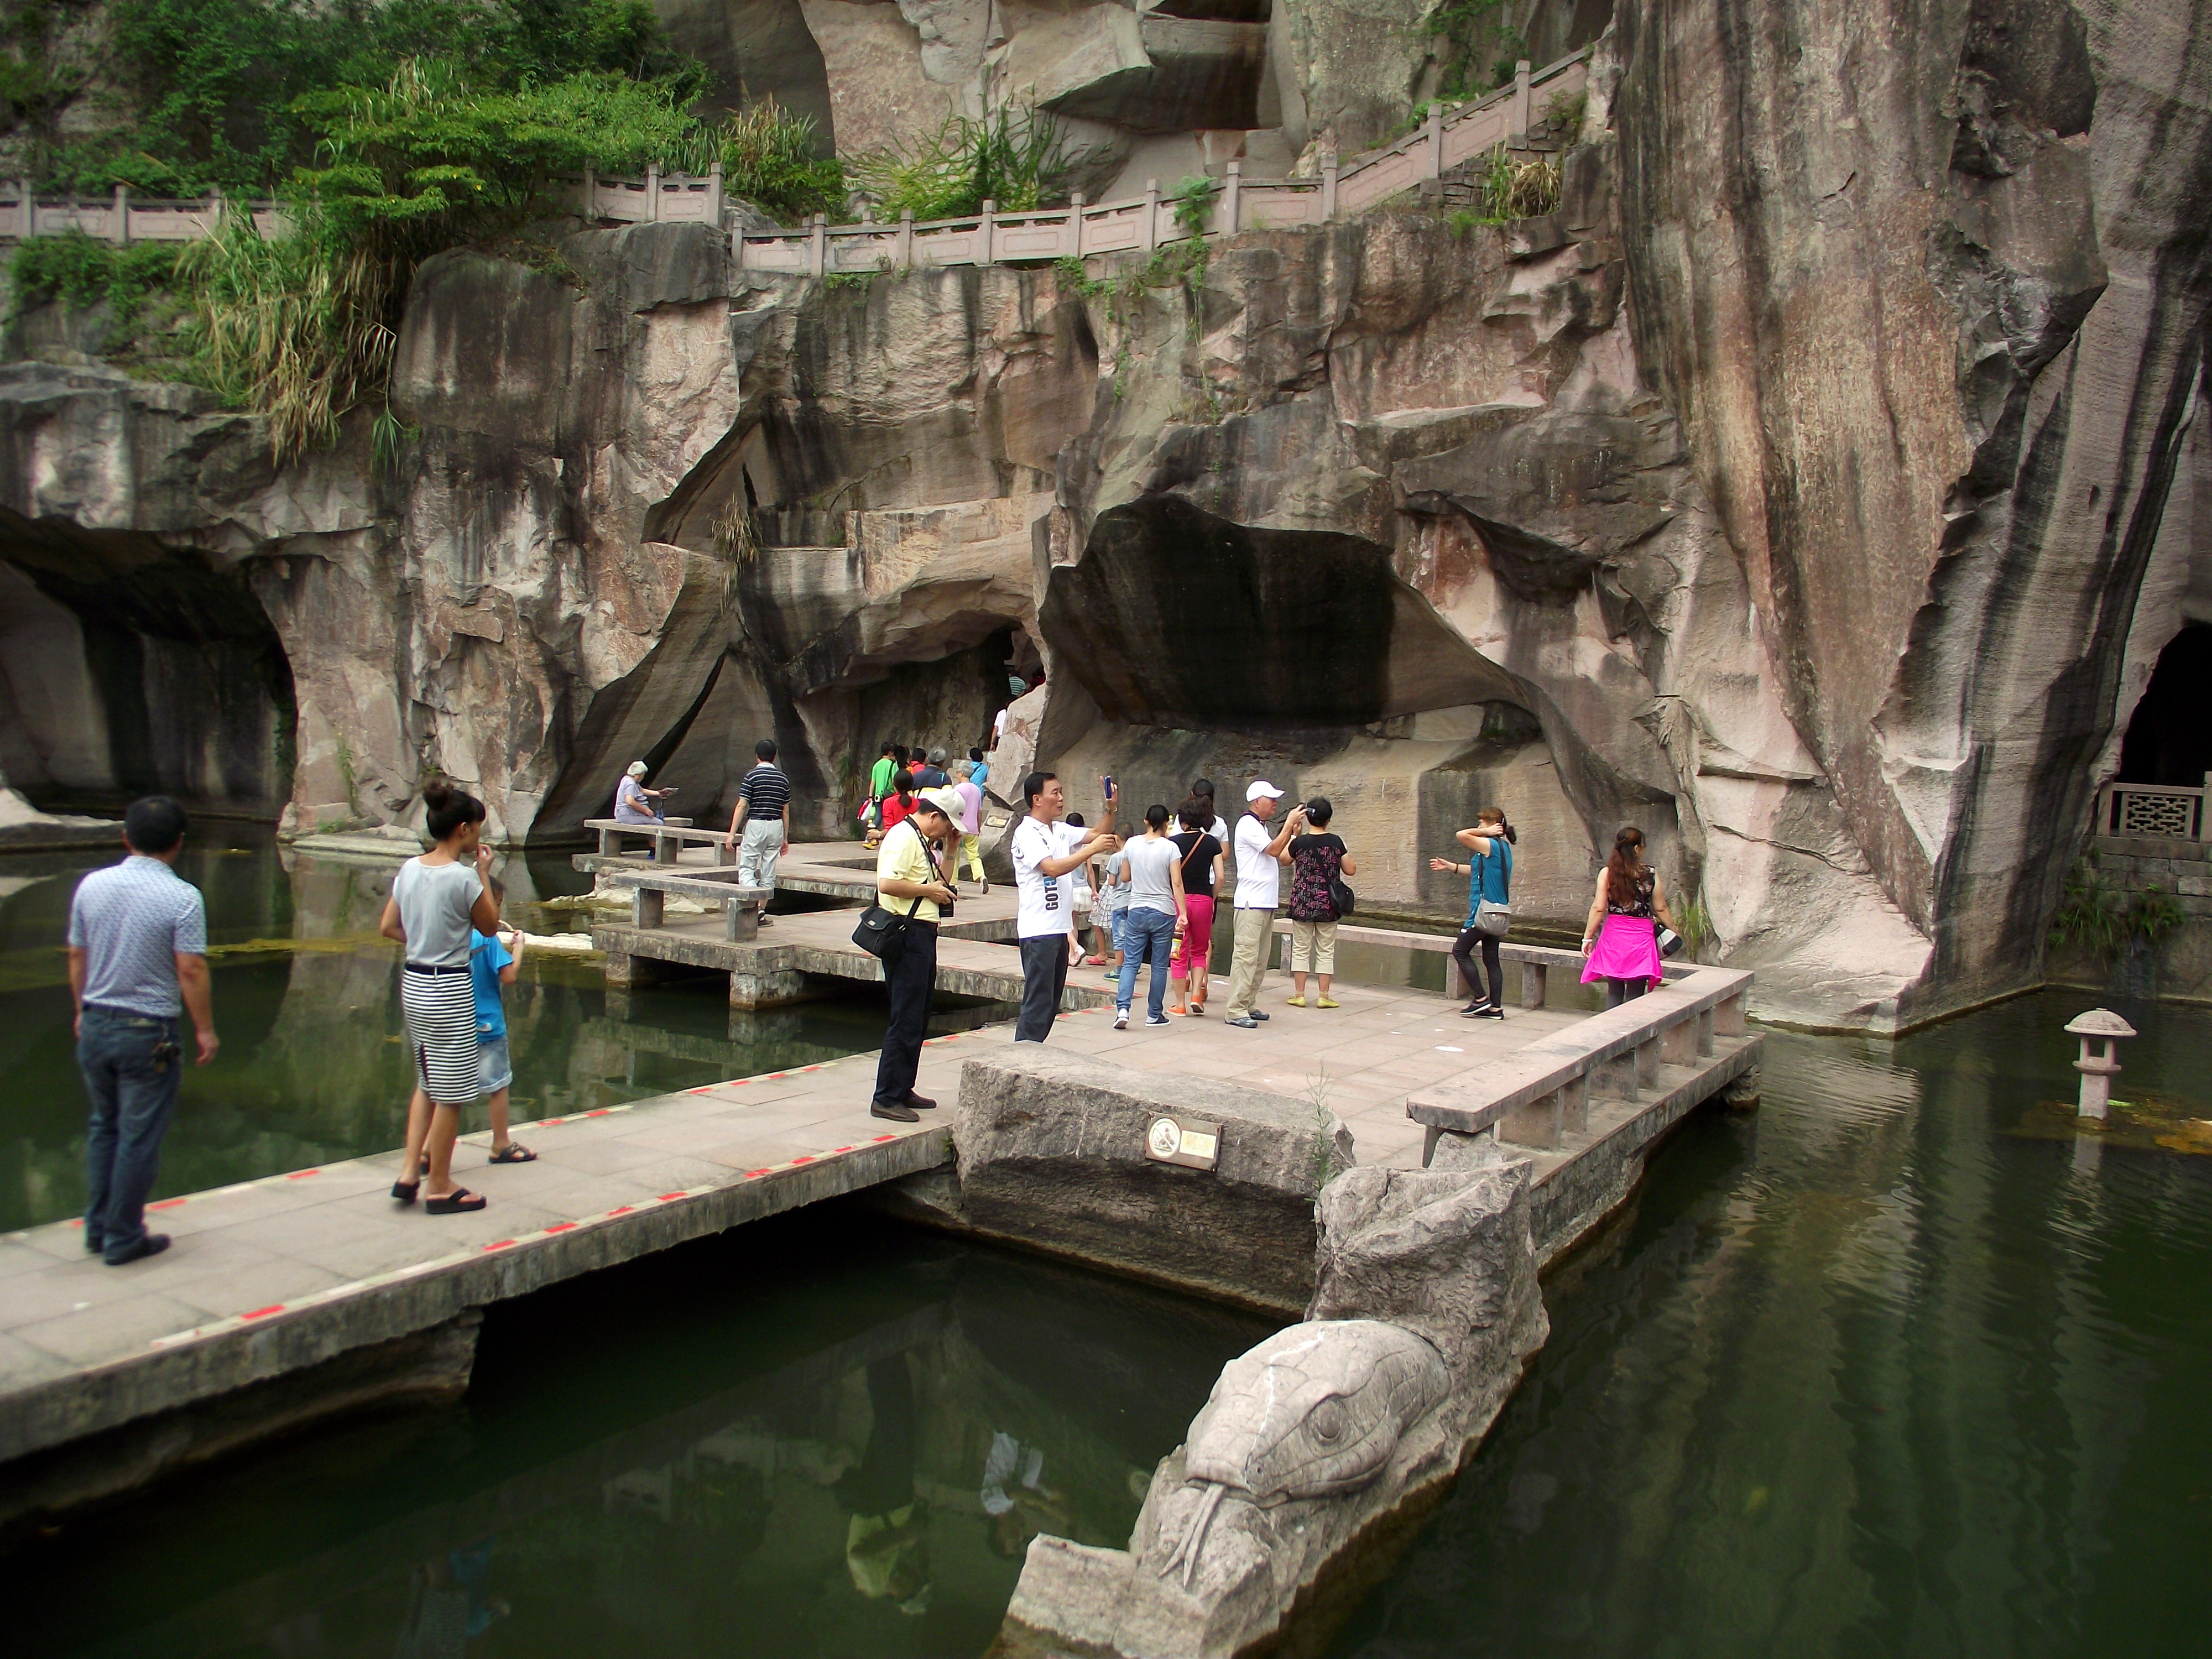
x,y
439,902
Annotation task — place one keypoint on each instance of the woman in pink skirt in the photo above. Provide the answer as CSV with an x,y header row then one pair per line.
x,y
1619,941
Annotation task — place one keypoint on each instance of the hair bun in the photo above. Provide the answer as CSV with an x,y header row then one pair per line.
x,y
436,793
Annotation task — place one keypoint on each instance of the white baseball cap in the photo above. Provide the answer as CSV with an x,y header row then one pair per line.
x,y
944,801
1262,790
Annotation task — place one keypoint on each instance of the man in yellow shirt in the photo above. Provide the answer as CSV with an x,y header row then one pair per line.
x,y
910,884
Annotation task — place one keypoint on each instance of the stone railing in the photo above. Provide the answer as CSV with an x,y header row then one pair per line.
x,y
120,217
1542,1091
2153,811
1140,224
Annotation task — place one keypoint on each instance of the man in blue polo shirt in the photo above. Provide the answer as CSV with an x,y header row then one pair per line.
x,y
138,956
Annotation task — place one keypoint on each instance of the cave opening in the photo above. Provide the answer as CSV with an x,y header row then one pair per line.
x,y
127,669
2169,736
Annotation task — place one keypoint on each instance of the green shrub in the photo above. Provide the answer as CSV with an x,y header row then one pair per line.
x,y
1519,189
1481,47
218,84
2106,921
1020,159
768,159
1194,204
81,272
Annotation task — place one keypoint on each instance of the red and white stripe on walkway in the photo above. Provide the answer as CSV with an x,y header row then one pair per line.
x,y
455,1258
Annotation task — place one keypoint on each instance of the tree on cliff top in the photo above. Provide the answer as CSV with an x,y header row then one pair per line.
x,y
217,85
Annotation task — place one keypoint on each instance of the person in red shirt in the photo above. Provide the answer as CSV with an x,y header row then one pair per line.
x,y
900,802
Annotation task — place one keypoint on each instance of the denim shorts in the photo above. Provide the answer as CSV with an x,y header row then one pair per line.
x,y
495,1071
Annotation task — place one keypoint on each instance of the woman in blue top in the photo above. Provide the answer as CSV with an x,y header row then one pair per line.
x,y
1490,877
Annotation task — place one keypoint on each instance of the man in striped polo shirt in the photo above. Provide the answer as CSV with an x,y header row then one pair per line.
x,y
137,954
764,810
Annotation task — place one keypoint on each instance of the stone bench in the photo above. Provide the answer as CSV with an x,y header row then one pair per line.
x,y
649,890
667,838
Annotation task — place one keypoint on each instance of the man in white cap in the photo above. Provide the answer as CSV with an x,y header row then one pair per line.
x,y
1260,864
633,802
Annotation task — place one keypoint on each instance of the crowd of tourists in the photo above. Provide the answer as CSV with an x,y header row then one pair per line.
x,y
1148,898
137,942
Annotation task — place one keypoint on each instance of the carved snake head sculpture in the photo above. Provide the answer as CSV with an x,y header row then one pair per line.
x,y
1314,1410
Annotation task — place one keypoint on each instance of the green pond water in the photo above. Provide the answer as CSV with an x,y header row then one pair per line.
x,y
312,1067
1899,1364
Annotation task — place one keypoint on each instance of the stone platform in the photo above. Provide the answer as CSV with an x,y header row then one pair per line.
x,y
278,1278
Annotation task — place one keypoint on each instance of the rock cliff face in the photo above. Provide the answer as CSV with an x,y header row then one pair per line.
x,y
1789,492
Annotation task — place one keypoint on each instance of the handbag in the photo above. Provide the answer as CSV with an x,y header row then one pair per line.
x,y
881,933
1492,918
1340,896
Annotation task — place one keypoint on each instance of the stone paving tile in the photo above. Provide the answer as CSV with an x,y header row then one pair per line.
x,y
106,1332
82,1282
606,1157
241,1290
22,1365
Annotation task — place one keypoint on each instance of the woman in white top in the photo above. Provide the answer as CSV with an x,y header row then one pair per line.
x,y
439,902
1157,909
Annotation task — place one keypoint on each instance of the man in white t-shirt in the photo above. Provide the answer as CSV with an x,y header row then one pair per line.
x,y
1260,862
1048,854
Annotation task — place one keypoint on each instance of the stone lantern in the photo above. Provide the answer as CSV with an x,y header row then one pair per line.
x,y
2098,1025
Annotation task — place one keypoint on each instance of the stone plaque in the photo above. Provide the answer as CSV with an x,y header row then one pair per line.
x,y
1194,1144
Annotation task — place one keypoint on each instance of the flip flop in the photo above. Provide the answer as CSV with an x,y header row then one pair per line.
x,y
513,1152
404,1191
459,1201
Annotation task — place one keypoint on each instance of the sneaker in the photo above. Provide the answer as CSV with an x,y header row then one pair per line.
x,y
1489,1011
1294,1002
1472,1006
1256,1014
1121,1020
1157,1019
896,1113
151,1244
1328,1002
1243,1023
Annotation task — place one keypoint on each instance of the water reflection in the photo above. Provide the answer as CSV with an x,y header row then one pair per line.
x,y
313,1068
1882,1370
823,1436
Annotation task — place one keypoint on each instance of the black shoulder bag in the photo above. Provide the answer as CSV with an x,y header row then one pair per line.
x,y
881,933
1339,894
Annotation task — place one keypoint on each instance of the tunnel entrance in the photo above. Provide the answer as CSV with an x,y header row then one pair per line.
x,y
2169,738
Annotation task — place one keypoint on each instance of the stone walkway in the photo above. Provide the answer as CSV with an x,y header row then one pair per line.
x,y
647,1175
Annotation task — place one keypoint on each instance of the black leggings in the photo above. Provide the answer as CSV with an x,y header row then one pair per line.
x,y
1617,991
1463,954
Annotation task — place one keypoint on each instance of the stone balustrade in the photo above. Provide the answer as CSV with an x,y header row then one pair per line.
x,y
1543,1093
1138,224
2154,811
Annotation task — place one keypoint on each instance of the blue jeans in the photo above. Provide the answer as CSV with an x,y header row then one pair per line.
x,y
1146,932
133,1096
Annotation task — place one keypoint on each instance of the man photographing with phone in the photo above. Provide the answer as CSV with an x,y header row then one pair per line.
x,y
1047,852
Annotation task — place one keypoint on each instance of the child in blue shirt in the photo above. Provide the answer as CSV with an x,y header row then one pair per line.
x,y
492,964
